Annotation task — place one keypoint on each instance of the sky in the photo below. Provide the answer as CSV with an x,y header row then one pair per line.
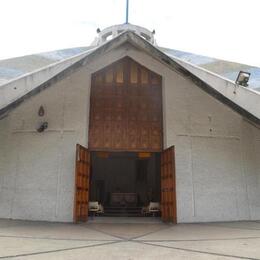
x,y
224,29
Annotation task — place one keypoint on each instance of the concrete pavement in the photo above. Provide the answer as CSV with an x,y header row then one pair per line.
x,y
119,239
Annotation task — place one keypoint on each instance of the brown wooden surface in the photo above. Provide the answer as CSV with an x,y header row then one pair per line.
x,y
82,173
126,108
168,186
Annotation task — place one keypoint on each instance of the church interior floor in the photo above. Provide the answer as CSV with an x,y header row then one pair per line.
x,y
124,220
121,240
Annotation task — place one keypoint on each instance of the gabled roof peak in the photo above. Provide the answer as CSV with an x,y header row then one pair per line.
x,y
112,31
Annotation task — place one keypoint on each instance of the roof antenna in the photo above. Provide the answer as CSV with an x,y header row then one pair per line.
x,y
126,15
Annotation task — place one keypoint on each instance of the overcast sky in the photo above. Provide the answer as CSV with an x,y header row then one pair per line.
x,y
226,29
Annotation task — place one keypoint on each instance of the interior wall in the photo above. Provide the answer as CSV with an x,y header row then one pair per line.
x,y
119,173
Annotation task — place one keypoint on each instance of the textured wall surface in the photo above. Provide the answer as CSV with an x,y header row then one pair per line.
x,y
37,179
217,152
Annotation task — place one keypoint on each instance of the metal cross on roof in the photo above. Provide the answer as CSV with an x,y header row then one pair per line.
x,y
126,16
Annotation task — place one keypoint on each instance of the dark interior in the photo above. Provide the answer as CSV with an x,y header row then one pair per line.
x,y
123,180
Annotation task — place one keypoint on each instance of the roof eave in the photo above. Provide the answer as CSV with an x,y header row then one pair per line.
x,y
145,46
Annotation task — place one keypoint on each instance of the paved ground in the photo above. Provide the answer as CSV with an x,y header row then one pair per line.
x,y
135,240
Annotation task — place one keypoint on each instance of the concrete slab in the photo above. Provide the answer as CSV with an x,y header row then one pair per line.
x,y
13,246
201,232
53,231
237,248
240,224
211,241
126,251
128,231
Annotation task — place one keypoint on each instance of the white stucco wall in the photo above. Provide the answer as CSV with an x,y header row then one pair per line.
x,y
217,152
37,178
216,158
251,166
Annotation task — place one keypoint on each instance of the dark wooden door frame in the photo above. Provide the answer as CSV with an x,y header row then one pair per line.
x,y
168,186
82,176
82,185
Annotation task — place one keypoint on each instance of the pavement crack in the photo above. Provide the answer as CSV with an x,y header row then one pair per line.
x,y
106,233
148,233
58,250
58,239
197,251
196,240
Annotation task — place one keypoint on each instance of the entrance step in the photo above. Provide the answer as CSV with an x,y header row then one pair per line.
x,y
122,212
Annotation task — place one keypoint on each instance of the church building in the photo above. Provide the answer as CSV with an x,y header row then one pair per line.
x,y
126,124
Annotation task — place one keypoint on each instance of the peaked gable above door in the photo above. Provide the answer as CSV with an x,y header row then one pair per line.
x,y
126,108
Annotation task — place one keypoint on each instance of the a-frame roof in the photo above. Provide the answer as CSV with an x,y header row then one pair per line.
x,y
241,99
13,68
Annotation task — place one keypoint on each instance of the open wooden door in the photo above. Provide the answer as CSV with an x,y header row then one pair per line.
x,y
168,186
82,173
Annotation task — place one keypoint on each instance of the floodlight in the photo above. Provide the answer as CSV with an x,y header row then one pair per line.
x,y
243,78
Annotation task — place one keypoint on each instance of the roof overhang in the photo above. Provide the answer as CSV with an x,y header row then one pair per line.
x,y
246,102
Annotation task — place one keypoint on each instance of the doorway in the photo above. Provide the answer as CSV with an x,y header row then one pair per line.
x,y
127,171
124,183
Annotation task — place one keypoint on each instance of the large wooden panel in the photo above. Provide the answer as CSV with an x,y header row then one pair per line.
x,y
82,173
168,186
126,108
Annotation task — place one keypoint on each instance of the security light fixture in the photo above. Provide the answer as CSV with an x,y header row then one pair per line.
x,y
42,127
243,78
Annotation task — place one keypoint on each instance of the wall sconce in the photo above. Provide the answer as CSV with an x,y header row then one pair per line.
x,y
41,111
42,127
243,78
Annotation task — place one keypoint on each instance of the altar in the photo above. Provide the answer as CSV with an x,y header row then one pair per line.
x,y
123,199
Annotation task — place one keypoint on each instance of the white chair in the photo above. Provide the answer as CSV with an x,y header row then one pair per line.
x,y
95,208
101,209
152,208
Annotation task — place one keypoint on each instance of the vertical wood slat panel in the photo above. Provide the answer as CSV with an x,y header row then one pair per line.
x,y
168,186
126,115
82,172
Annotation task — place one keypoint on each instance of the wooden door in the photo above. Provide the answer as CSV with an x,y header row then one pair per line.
x,y
82,174
126,108
168,186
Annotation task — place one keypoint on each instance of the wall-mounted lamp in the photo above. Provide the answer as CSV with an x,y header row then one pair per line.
x,y
42,127
243,78
41,111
